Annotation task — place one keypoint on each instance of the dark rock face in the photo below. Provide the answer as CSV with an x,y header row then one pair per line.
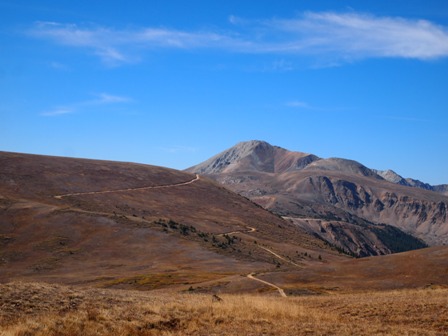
x,y
417,215
366,208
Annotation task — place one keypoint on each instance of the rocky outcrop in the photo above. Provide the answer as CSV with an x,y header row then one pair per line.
x,y
425,218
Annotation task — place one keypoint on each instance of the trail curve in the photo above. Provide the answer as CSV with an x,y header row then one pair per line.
x,y
250,229
280,290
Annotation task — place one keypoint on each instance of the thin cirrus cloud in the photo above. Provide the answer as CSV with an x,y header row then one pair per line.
x,y
100,99
297,104
57,112
343,36
362,36
120,46
105,98
303,106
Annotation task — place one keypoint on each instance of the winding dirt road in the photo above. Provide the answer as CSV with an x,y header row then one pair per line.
x,y
129,189
251,275
280,290
279,256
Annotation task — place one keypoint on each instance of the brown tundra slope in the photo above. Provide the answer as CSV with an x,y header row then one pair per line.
x,y
341,201
119,224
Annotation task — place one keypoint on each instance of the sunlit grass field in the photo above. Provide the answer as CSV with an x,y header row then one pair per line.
x,y
42,309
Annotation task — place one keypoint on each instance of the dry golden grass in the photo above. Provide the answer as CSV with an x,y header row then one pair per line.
x,y
160,280
41,309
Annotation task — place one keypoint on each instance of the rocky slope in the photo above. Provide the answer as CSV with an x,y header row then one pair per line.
x,y
349,205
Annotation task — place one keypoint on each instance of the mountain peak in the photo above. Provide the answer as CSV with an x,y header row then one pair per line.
x,y
391,176
247,146
253,143
248,155
255,156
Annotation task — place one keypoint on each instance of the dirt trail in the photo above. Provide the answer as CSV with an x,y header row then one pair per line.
x,y
249,230
280,290
311,219
279,256
251,275
129,189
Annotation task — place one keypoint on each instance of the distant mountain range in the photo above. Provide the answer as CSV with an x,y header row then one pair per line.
x,y
360,210
391,176
260,156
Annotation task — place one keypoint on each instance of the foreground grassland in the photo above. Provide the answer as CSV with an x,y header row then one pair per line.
x,y
42,309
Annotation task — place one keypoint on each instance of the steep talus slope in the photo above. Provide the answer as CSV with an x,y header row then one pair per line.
x,y
341,201
124,224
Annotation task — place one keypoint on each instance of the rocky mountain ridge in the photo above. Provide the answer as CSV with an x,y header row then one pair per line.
x,y
391,176
256,155
332,198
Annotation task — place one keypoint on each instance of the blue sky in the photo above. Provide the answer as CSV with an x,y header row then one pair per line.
x,y
172,83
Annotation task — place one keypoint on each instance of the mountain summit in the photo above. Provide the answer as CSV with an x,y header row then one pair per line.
x,y
255,156
251,155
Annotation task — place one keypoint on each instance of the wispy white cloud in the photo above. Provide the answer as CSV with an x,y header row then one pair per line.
x,y
105,98
341,36
100,99
304,106
59,66
57,112
282,65
297,104
121,46
361,35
